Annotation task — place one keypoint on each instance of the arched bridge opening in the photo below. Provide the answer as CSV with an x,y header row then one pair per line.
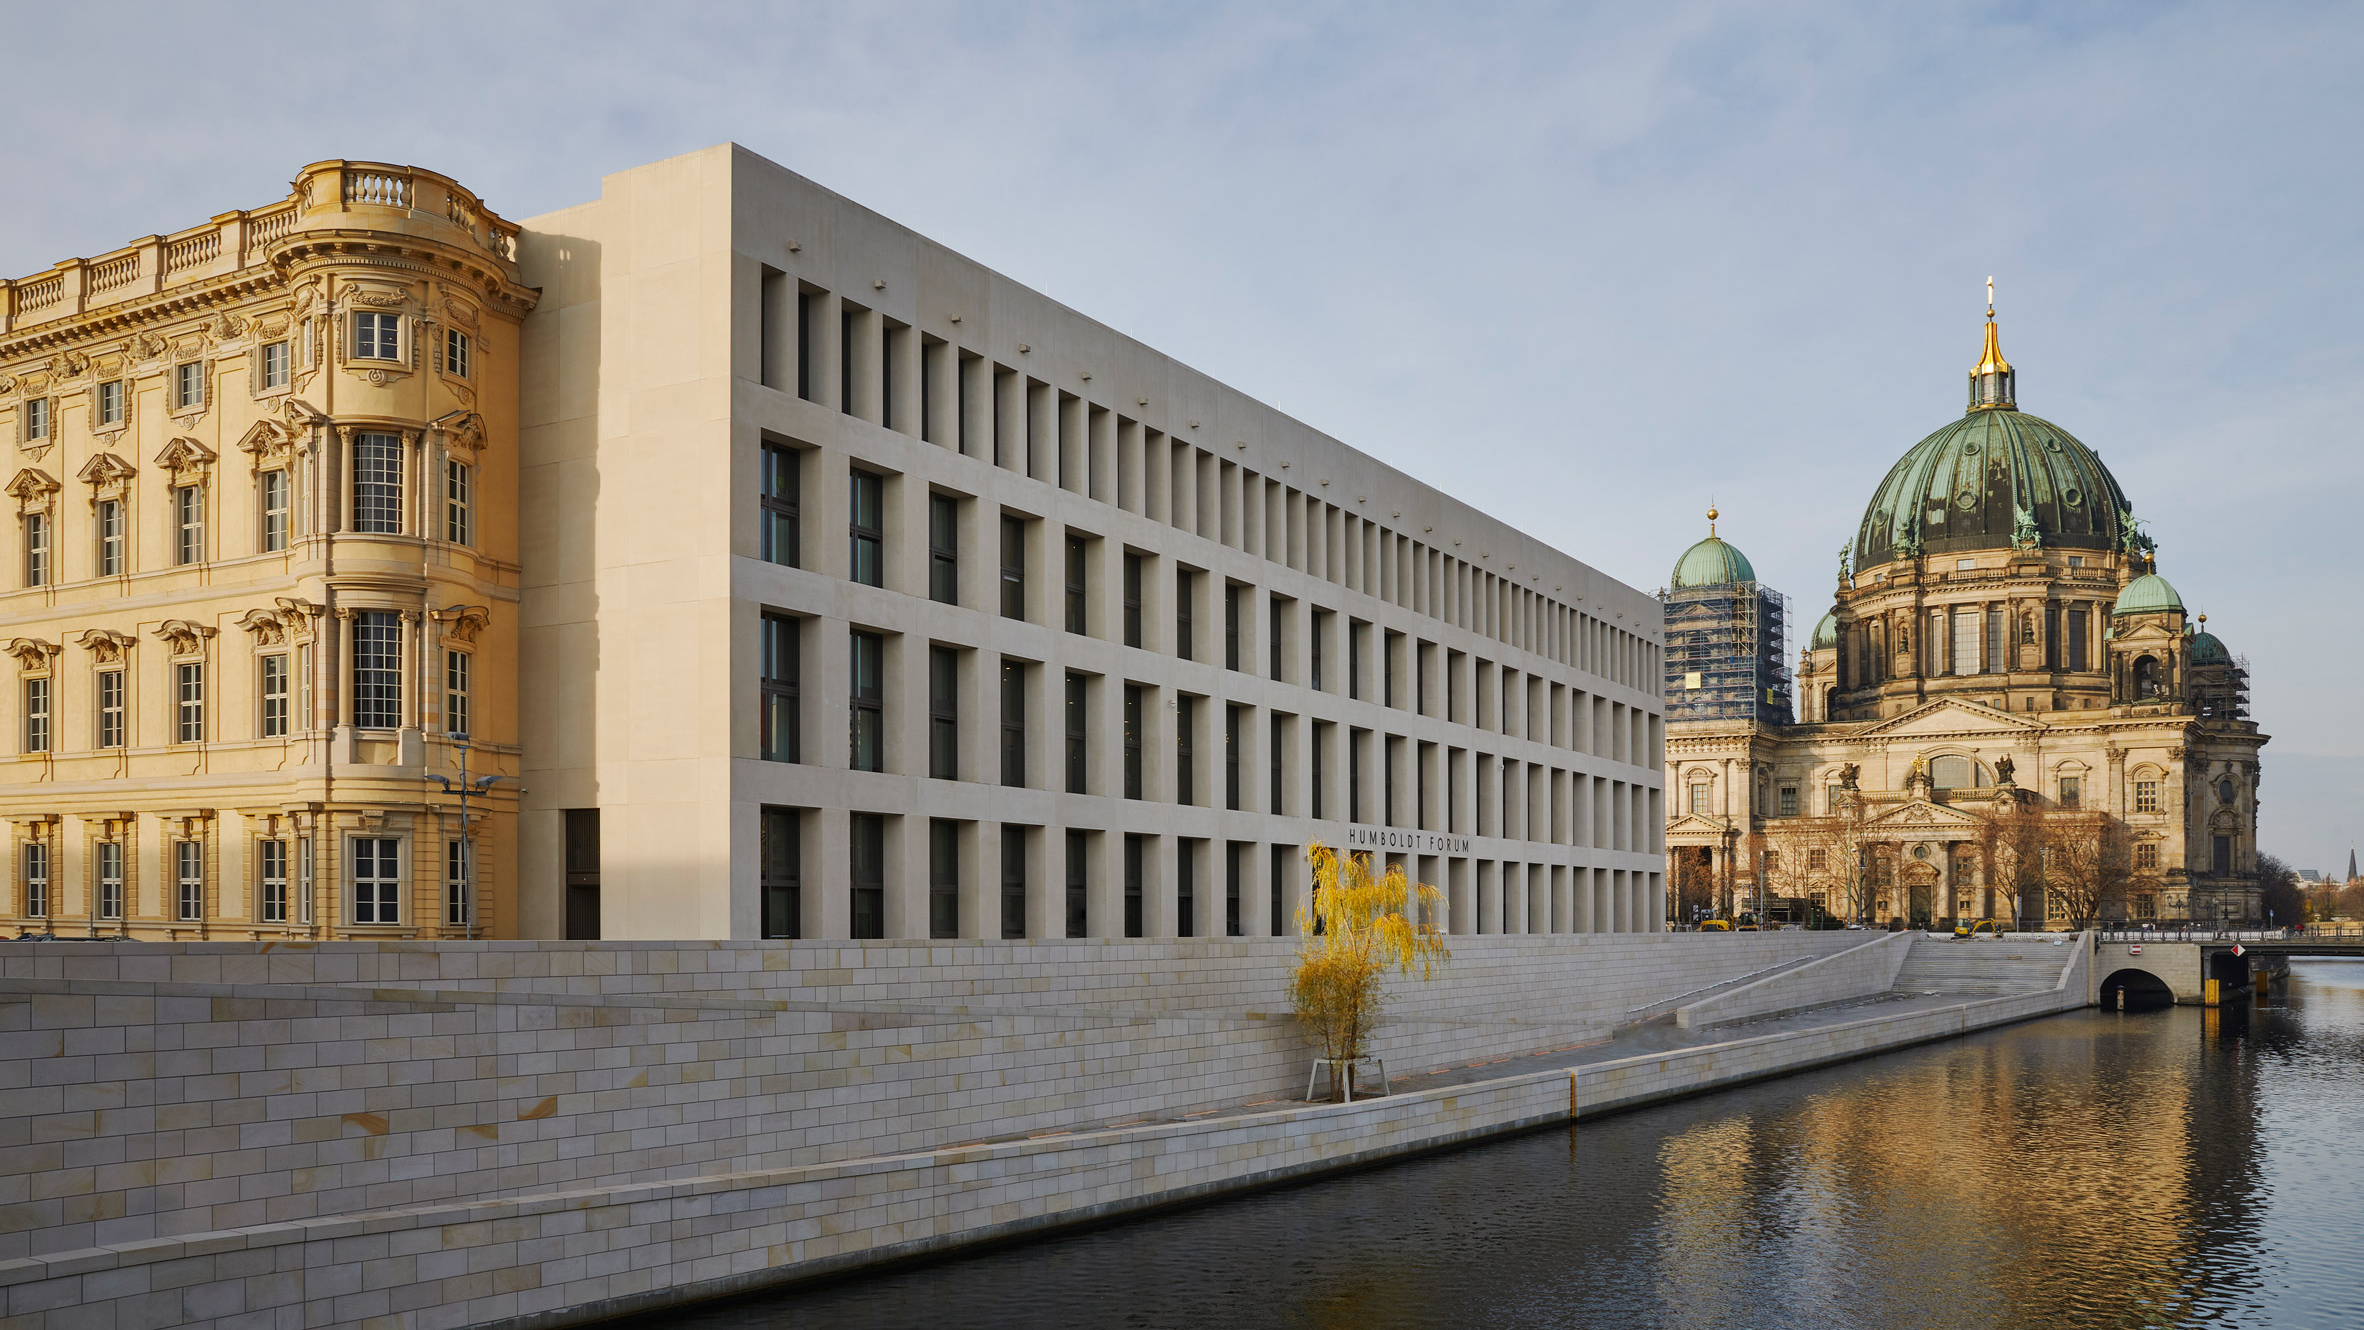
x,y
2229,970
2135,990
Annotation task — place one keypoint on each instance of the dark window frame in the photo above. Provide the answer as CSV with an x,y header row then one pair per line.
x,y
1078,599
1132,577
866,701
1078,883
1078,745
1013,567
1013,723
943,878
866,876
1134,723
1013,881
780,668
865,527
781,506
780,872
943,549
943,713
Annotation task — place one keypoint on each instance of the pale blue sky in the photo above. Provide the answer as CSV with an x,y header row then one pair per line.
x,y
1649,253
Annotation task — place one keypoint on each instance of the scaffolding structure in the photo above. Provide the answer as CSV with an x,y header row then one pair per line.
x,y
1726,655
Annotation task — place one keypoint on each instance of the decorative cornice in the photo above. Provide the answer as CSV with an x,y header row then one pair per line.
x,y
32,653
186,637
107,644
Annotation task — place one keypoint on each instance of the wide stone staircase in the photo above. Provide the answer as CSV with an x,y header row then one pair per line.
x,y
1981,968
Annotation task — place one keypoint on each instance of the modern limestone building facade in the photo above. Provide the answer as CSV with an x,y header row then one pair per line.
x,y
869,593
263,561
2000,644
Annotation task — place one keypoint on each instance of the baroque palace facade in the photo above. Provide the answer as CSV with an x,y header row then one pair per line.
x,y
2002,652
787,573
264,485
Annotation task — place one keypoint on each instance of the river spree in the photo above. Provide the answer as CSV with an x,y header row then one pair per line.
x,y
2165,1168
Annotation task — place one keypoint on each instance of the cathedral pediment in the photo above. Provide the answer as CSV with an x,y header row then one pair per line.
x,y
1949,716
1696,824
1916,817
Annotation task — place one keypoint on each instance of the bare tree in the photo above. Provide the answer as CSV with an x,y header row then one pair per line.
x,y
2278,891
2011,857
2089,861
1694,884
1804,858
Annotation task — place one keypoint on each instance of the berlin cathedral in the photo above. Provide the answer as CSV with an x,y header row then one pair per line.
x,y
2007,714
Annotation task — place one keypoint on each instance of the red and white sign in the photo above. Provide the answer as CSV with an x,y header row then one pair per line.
x,y
2237,949
2134,951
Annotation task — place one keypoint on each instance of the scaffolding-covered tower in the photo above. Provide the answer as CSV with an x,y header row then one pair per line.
x,y
1726,655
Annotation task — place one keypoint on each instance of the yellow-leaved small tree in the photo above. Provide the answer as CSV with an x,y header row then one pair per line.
x,y
1357,927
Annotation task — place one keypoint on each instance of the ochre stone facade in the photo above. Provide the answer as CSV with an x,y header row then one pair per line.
x,y
264,489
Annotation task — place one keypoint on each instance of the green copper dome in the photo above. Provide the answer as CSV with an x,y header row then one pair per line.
x,y
1985,481
1826,633
2207,650
1712,562
2148,594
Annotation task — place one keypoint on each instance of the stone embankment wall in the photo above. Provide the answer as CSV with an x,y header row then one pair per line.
x,y
1859,971
455,1135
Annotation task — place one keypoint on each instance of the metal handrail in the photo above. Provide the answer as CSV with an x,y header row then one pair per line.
x,y
1742,978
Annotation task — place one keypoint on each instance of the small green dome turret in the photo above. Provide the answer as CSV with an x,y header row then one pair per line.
x,y
1826,633
2148,594
2206,649
1712,562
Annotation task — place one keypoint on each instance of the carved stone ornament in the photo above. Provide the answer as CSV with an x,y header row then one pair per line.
x,y
31,489
225,327
68,365
186,637
375,299
107,645
7,385
106,472
148,346
460,313
463,431
185,460
267,439
189,346
32,653
461,623
265,625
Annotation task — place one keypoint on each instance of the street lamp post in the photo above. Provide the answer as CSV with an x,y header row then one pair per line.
x,y
459,742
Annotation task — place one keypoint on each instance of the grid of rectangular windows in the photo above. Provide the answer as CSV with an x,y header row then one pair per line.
x,y
1038,431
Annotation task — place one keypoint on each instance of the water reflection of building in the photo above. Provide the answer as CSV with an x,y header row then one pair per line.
x,y
2000,641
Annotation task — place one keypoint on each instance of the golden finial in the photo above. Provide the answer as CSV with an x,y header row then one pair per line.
x,y
2203,621
1711,520
1991,381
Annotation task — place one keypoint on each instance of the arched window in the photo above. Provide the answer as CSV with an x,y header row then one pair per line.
x,y
1956,773
2146,677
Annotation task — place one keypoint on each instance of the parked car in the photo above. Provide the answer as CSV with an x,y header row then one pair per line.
x,y
1715,925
